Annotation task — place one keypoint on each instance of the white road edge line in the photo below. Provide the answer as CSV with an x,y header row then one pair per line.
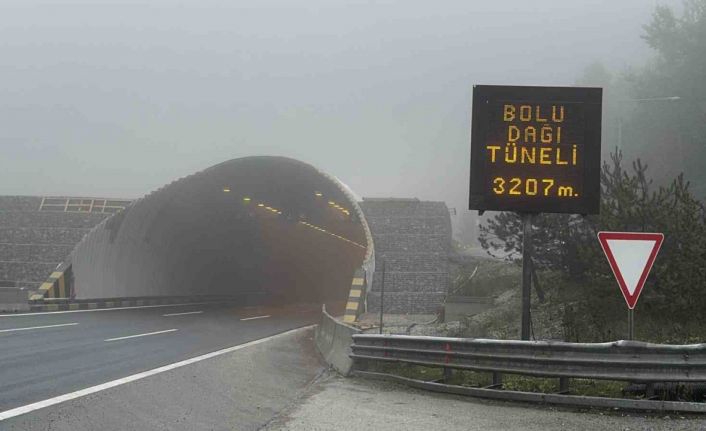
x,y
256,317
141,335
7,414
37,327
182,314
107,309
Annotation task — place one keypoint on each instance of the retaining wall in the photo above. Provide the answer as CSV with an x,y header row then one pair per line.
x,y
412,245
33,242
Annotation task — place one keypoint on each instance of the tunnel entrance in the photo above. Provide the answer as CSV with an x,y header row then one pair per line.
x,y
267,227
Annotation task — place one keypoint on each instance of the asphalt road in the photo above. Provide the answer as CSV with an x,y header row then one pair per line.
x,y
50,354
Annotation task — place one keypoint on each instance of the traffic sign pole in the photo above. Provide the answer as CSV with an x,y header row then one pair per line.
x,y
526,274
631,323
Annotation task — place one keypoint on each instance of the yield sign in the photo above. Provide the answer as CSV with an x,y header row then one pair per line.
x,y
631,256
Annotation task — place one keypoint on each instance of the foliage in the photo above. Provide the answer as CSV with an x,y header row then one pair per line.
x,y
667,125
585,290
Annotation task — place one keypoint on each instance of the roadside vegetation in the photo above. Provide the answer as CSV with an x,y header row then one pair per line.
x,y
582,302
484,277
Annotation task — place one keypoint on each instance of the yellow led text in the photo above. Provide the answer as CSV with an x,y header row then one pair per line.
x,y
512,153
531,187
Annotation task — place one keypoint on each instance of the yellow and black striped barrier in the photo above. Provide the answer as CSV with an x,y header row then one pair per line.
x,y
355,297
56,286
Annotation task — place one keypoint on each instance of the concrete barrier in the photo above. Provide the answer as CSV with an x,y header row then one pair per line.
x,y
13,299
333,340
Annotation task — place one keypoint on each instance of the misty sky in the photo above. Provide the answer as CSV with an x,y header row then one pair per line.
x,y
118,98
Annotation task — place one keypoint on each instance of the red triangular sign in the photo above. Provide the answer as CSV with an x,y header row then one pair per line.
x,y
630,255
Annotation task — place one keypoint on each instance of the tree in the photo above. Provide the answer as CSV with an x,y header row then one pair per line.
x,y
671,134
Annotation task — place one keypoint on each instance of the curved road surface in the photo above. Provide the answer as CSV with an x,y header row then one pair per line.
x,y
45,355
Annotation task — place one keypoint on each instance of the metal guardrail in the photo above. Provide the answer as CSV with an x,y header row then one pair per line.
x,y
630,361
620,360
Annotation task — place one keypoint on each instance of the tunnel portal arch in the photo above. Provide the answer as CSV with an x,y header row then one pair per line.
x,y
268,227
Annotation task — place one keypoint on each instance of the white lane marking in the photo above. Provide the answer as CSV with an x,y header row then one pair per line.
x,y
37,327
107,309
7,414
182,314
256,317
141,335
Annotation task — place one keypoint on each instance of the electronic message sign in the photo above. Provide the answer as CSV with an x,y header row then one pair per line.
x,y
536,149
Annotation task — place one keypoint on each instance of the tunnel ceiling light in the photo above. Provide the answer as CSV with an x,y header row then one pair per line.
x,y
261,205
226,189
331,203
331,234
318,194
246,199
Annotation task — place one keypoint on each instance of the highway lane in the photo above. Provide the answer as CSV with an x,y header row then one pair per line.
x,y
50,354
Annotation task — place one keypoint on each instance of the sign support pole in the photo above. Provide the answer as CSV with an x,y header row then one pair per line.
x,y
526,273
631,324
382,295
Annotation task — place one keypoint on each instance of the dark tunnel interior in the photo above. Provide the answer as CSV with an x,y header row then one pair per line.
x,y
266,227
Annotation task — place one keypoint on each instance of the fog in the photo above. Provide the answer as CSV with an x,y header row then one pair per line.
x,y
115,100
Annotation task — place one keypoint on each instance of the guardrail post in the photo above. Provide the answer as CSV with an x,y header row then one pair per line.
x,y
497,381
448,373
649,390
563,385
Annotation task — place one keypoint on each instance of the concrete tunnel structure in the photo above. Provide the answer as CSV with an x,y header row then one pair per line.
x,y
270,229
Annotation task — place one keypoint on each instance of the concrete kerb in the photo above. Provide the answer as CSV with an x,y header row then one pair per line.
x,y
65,304
333,340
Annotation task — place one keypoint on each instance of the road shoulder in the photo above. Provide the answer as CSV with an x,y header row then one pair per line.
x,y
337,403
